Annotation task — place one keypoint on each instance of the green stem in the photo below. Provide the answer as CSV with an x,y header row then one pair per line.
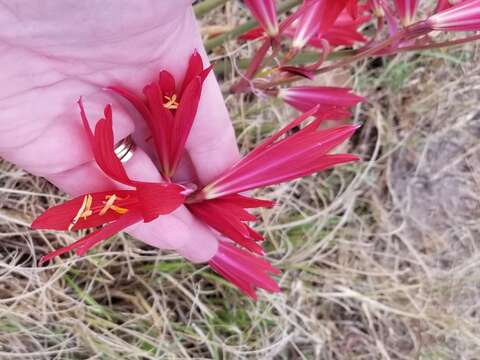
x,y
243,28
206,6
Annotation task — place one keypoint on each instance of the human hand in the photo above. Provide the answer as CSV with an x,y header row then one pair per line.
x,y
53,52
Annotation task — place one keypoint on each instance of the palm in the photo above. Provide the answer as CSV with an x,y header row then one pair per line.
x,y
72,50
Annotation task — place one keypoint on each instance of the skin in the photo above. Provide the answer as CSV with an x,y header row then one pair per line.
x,y
52,52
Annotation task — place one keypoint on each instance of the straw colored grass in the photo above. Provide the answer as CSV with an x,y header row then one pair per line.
x,y
380,259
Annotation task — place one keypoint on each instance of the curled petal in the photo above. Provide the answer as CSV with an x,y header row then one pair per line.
x,y
245,271
103,146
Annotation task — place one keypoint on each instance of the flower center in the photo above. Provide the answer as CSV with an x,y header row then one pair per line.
x,y
171,103
86,208
109,205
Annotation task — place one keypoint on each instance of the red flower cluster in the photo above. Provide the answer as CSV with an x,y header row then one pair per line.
x,y
169,111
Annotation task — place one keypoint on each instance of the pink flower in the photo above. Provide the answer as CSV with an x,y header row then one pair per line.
x,y
264,11
406,10
331,100
317,18
465,16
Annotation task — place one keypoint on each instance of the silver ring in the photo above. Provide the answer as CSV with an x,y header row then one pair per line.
x,y
125,149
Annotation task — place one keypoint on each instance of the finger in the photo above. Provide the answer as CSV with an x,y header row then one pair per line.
x,y
56,141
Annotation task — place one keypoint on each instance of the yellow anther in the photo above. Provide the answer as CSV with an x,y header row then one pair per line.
x,y
171,103
84,211
109,205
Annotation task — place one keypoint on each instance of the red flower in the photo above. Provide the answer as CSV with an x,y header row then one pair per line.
x,y
333,101
465,16
342,32
170,111
116,209
274,161
264,11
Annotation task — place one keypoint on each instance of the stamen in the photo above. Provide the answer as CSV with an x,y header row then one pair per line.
x,y
109,205
171,103
84,211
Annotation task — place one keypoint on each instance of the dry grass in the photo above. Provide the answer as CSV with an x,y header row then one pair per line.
x,y
380,259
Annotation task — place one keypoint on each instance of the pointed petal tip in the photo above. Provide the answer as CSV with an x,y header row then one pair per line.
x,y
42,261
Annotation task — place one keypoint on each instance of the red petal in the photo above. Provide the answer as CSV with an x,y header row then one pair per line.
x,y
160,126
184,117
265,13
318,18
253,34
90,240
225,224
104,151
86,125
136,101
167,83
245,271
129,219
60,217
195,67
295,70
247,202
159,199
298,155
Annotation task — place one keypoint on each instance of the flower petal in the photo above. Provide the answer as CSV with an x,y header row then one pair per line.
x,y
245,271
86,243
60,217
158,199
218,218
265,13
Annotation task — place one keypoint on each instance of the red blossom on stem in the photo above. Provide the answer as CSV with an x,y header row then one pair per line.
x,y
116,209
169,111
280,158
